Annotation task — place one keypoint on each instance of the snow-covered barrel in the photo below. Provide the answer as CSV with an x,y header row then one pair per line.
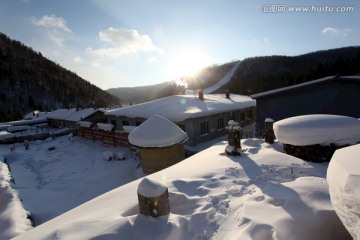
x,y
160,142
316,137
343,176
153,198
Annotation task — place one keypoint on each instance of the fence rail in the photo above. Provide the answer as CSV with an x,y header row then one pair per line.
x,y
115,139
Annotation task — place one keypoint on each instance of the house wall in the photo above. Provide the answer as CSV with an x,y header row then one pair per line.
x,y
96,117
192,126
331,97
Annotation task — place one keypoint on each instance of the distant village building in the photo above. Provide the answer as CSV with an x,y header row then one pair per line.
x,y
70,117
161,143
331,95
203,117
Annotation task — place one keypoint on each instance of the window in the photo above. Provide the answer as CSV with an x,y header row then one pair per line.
x,y
138,123
232,116
220,123
242,115
250,113
204,128
125,123
182,126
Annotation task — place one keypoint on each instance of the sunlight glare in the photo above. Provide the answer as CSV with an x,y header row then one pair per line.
x,y
187,64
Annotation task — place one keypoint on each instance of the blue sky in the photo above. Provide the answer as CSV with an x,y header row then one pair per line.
x,y
118,43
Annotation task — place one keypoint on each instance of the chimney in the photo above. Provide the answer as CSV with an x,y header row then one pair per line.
x,y
201,95
227,94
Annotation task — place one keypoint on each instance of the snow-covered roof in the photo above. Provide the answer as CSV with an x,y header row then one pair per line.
x,y
318,129
178,108
157,132
321,80
72,114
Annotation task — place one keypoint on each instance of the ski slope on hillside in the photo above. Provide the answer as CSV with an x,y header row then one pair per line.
x,y
222,81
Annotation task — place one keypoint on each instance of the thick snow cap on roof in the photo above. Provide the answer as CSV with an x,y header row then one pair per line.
x,y
318,129
157,132
178,108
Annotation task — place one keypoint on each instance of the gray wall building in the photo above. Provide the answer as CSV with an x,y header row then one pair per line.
x,y
330,95
202,119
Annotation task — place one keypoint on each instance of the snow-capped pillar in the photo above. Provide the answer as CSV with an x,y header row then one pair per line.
x,y
153,198
269,131
234,138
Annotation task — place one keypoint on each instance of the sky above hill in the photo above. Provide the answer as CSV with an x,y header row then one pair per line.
x,y
123,43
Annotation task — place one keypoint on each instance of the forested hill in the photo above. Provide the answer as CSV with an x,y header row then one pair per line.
x,y
260,74
256,74
205,77
30,81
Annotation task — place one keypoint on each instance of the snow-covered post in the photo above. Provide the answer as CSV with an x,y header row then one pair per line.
x,y
153,198
269,131
234,137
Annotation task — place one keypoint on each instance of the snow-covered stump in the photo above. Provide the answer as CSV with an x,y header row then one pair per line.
x,y
316,137
153,198
269,131
343,176
234,137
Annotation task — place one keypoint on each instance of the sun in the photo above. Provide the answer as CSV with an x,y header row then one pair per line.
x,y
187,63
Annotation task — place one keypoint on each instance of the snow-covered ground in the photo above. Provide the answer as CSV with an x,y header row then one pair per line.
x,y
51,182
262,194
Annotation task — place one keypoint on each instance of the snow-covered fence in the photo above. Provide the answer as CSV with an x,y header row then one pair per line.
x,y
115,139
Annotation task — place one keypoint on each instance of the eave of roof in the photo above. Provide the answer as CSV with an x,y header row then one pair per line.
x,y
321,80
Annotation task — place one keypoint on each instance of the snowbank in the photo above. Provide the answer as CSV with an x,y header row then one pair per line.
x,y
105,126
262,194
13,217
85,124
157,132
6,135
343,176
318,129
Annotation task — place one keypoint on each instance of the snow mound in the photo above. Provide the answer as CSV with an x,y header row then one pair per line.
x,y
318,129
105,126
343,176
13,217
157,132
151,188
85,124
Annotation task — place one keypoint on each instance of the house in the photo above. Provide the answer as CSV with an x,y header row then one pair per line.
x,y
330,95
202,117
161,143
70,117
